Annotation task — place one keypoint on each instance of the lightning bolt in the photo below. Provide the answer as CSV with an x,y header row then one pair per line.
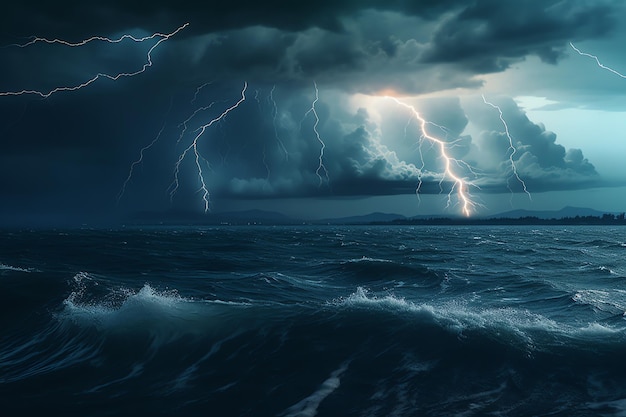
x,y
313,111
281,145
193,147
460,184
597,61
267,167
139,160
256,98
511,148
184,123
163,37
198,89
264,151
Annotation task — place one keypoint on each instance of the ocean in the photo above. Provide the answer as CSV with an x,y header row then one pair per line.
x,y
314,321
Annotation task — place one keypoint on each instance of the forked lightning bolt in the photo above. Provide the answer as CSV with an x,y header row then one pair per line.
x,y
597,61
461,185
512,148
313,110
114,77
193,147
183,124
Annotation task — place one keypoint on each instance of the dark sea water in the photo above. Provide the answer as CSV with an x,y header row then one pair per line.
x,y
304,321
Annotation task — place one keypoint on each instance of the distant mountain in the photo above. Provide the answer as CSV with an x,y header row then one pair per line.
x,y
549,214
173,217
364,219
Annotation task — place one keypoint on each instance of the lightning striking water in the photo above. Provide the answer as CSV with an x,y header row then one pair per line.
x,y
193,147
512,148
321,166
114,77
461,185
597,61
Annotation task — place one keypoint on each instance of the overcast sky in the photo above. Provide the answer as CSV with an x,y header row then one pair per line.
x,y
333,107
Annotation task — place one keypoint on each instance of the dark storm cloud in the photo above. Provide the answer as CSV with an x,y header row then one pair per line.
x,y
334,42
73,151
364,158
79,17
279,157
540,160
489,35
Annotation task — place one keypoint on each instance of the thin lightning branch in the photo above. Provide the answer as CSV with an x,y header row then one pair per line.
x,y
321,166
597,61
281,145
460,184
184,123
194,148
264,151
256,98
195,96
267,167
512,148
146,65
140,159
36,39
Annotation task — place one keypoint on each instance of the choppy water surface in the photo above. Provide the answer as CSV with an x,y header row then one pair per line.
x,y
304,321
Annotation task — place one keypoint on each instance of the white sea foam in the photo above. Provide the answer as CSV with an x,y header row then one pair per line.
x,y
146,309
613,301
4,267
461,316
367,259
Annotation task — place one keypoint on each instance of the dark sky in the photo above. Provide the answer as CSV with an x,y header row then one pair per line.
x,y
73,155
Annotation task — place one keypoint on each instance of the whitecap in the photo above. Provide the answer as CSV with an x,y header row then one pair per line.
x,y
461,316
367,259
146,309
4,267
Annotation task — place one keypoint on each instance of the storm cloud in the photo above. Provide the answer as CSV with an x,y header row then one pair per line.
x,y
73,151
359,46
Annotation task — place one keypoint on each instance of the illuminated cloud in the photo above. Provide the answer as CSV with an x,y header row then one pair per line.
x,y
75,152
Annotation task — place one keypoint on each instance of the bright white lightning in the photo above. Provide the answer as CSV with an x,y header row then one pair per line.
x,y
597,61
194,148
183,124
163,37
460,184
313,110
512,147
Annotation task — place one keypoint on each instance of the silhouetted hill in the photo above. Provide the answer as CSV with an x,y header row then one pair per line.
x,y
567,215
550,214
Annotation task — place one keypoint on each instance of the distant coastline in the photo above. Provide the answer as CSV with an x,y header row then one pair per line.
x,y
606,219
260,218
